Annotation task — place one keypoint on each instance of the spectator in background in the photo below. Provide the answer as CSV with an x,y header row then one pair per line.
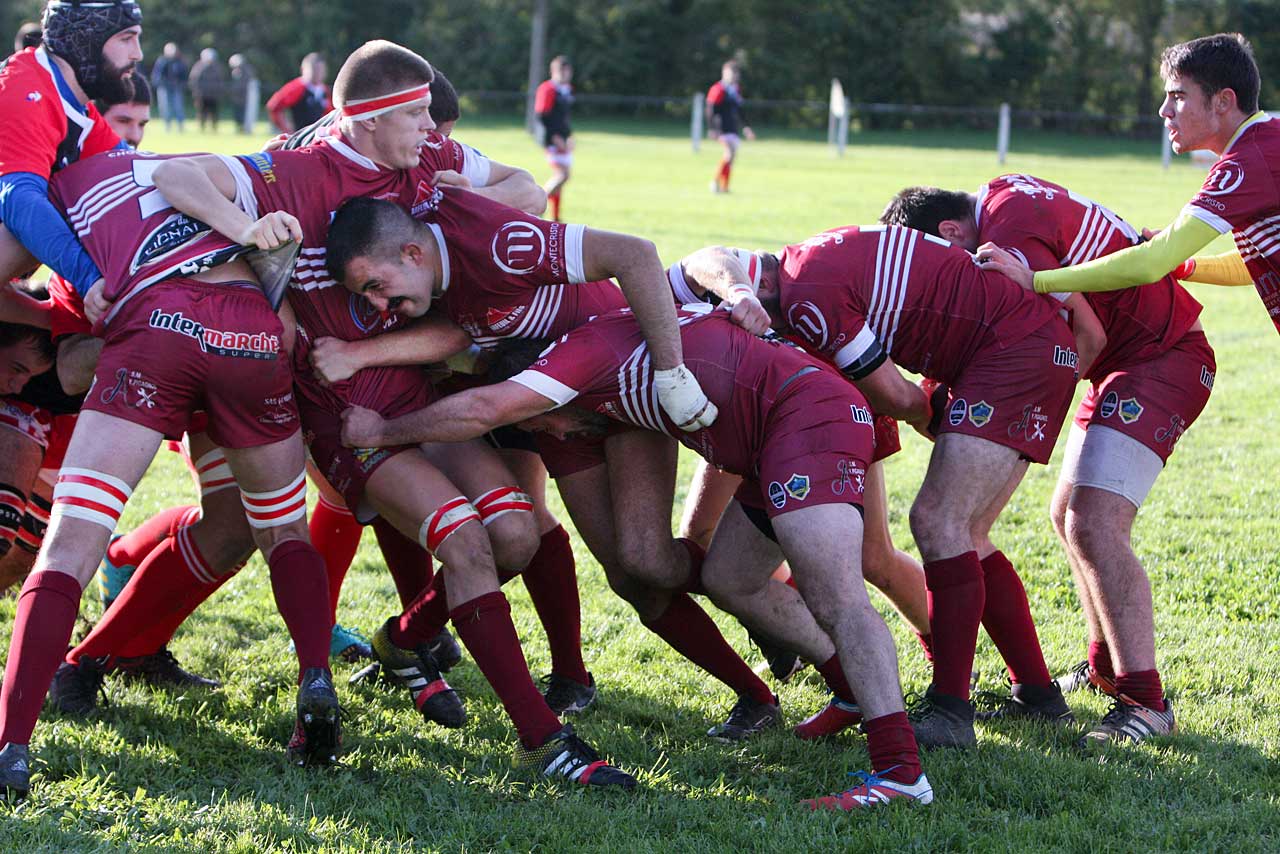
x,y
552,102
208,84
129,118
242,77
304,99
168,78
725,121
29,35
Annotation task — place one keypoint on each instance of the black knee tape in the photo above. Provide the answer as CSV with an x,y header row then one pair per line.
x,y
13,503
35,521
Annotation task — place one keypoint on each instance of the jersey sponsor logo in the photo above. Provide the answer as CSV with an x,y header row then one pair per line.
x,y
806,319
110,394
777,495
798,486
1065,357
1206,377
1226,177
1130,410
1031,426
177,230
501,319
263,164
363,314
861,414
245,345
427,199
1170,434
959,408
518,248
35,97
980,413
850,476
1110,404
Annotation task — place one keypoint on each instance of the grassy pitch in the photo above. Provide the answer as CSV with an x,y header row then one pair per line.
x,y
157,771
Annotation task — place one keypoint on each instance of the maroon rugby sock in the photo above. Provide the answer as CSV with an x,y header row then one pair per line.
x,y
424,618
926,644
336,535
552,581
301,589
1100,660
133,547
833,674
407,561
1006,616
484,625
47,608
956,593
697,557
1143,687
691,632
891,744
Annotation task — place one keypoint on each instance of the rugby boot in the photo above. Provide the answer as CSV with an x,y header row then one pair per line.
x,y
565,755
417,670
1127,720
835,717
567,697
1029,703
940,720
161,669
1083,676
445,650
111,579
348,645
747,718
15,771
317,735
782,663
872,790
75,687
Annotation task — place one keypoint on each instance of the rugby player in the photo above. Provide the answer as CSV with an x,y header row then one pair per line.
x,y
385,148
1147,386
786,420
25,353
867,298
552,102
130,116
725,121
193,299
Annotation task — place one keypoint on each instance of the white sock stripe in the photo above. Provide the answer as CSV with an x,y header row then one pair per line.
x,y
191,557
261,497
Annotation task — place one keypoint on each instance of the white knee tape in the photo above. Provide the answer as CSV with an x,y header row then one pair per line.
x,y
278,507
91,496
1106,459
449,517
214,472
501,501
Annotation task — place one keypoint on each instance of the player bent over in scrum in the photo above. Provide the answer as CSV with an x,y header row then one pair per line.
x,y
790,427
175,342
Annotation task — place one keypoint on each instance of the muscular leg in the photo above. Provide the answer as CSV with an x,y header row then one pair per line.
x,y
710,492
896,574
642,472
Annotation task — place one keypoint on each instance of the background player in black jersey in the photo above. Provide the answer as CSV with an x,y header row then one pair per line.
x,y
552,104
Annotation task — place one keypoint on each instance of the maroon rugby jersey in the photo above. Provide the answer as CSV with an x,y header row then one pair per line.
x,y
605,366
1242,195
1050,227
132,233
507,274
859,295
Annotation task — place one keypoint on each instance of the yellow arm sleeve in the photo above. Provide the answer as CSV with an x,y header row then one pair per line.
x,y
1137,265
1227,269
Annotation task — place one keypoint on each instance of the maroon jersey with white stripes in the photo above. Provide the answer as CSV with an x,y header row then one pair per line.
x,y
1049,227
132,233
605,366
507,274
859,295
1242,196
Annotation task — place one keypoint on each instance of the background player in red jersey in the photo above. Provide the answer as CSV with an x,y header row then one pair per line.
x,y
800,435
725,121
1148,384
866,298
304,99
552,103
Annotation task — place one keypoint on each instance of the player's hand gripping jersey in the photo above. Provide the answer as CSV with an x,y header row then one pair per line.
x,y
1050,227
1242,196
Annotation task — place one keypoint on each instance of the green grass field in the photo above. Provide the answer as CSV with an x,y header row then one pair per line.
x,y
156,771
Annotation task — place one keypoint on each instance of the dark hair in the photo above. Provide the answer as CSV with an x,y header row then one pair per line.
x,y
1217,62
925,208
444,100
379,68
29,35
365,227
17,333
136,90
514,355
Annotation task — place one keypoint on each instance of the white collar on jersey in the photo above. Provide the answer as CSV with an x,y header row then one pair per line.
x,y
1256,119
340,145
74,111
443,284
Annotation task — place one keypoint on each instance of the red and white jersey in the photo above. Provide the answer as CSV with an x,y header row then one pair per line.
x,y
1242,195
132,233
859,295
45,129
312,183
507,274
1049,226
605,366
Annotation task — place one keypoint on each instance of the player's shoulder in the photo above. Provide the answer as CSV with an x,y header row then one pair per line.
x,y
547,85
716,90
26,87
